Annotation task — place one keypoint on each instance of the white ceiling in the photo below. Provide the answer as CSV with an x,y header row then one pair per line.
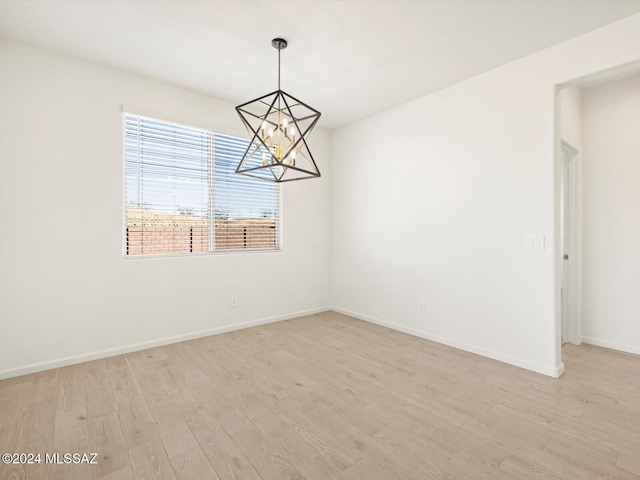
x,y
348,59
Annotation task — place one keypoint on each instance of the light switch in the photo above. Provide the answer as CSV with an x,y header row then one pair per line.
x,y
233,301
534,242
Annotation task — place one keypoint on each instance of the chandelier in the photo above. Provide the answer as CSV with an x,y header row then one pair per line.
x,y
279,125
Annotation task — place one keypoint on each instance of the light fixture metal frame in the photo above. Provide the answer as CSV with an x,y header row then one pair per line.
x,y
280,97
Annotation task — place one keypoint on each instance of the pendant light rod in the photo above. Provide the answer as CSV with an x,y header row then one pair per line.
x,y
279,44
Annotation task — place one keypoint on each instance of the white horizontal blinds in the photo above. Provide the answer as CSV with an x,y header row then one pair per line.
x,y
182,194
247,210
167,185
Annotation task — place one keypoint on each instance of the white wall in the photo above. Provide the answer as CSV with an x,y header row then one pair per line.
x,y
571,115
431,201
611,220
65,288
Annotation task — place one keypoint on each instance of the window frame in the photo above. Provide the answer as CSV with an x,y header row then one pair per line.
x,y
212,251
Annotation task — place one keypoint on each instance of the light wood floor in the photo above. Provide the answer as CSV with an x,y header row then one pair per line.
x,y
326,397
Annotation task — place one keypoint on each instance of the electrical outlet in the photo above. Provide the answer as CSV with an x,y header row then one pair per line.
x,y
534,242
233,301
422,307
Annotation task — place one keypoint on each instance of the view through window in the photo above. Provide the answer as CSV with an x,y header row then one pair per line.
x,y
183,197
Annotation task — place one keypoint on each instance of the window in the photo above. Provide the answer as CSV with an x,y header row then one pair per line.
x,y
183,197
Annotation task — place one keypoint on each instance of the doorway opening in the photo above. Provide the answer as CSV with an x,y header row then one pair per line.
x,y
596,200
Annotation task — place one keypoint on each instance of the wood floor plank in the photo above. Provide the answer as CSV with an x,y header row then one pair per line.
x,y
14,396
100,399
555,465
37,427
193,465
122,474
369,468
580,449
417,451
45,386
491,429
135,419
270,457
123,383
319,467
172,428
149,461
113,363
521,469
629,463
375,453
107,440
144,360
320,436
222,452
476,466
71,429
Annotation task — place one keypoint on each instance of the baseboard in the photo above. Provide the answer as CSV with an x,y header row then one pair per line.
x,y
612,345
63,362
549,371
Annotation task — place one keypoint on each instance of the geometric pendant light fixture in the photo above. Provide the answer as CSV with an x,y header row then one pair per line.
x,y
279,126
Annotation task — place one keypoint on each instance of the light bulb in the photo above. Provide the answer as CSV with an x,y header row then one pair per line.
x,y
284,124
